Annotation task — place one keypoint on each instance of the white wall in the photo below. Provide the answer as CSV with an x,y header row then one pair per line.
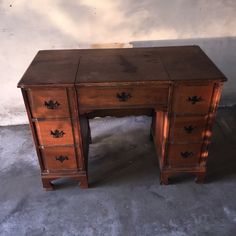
x,y
28,26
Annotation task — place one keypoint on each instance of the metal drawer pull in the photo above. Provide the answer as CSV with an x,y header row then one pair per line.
x,y
189,129
57,133
61,158
123,96
186,154
51,104
195,99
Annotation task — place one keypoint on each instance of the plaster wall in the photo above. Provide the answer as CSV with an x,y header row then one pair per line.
x,y
28,26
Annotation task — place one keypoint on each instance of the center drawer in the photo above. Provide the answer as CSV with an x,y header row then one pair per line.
x,y
97,97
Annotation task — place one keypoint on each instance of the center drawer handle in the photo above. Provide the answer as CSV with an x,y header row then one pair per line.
x,y
189,129
123,96
195,99
61,158
51,104
186,154
57,133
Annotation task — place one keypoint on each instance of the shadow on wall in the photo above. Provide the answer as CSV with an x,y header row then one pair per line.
x,y
222,52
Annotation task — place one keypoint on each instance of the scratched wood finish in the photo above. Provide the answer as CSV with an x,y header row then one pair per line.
x,y
146,64
51,68
60,67
119,65
179,87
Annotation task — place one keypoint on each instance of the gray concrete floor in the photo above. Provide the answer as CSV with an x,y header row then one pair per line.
x,y
125,197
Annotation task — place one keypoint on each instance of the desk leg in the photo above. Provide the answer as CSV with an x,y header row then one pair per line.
x,y
200,177
47,181
47,185
89,130
83,182
151,131
161,132
164,178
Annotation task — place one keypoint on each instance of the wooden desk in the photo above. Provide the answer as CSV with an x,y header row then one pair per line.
x,y
178,86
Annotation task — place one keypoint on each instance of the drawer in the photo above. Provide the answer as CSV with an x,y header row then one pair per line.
x,y
54,132
123,96
48,103
192,99
188,128
184,155
59,158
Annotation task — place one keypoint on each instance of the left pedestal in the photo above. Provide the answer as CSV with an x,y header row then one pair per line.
x,y
61,137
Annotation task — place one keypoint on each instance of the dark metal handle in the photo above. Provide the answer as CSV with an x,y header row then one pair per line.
x,y
57,133
61,158
186,154
195,99
51,104
189,129
123,96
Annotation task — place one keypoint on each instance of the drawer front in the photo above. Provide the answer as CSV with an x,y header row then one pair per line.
x,y
59,158
188,129
184,155
54,132
123,96
192,99
48,103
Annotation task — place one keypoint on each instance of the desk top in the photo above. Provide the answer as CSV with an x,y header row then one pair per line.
x,y
69,67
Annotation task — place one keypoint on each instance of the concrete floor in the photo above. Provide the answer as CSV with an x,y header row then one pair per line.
x,y
125,197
